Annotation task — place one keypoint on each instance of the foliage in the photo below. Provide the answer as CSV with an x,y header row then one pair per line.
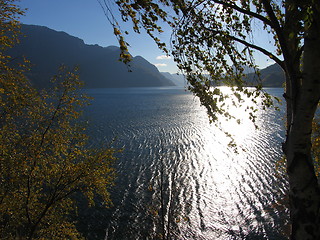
x,y
44,156
316,143
8,24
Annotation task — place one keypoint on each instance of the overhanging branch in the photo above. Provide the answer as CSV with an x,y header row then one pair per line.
x,y
260,49
246,12
249,45
276,26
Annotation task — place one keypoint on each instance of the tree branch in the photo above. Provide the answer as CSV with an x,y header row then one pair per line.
x,y
60,102
276,26
260,49
250,45
246,12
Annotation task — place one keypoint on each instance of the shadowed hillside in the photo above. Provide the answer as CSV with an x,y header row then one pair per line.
x,y
99,67
272,76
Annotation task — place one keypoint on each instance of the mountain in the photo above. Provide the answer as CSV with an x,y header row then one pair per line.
x,y
272,76
99,66
246,69
177,79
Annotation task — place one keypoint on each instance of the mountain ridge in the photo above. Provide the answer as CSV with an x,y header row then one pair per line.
x,y
271,76
99,66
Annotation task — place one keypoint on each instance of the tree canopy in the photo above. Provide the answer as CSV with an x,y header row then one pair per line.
x,y
45,161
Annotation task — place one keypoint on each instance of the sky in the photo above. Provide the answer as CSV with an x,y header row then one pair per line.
x,y
85,19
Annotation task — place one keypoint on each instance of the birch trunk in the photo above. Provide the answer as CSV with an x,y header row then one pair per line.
x,y
304,187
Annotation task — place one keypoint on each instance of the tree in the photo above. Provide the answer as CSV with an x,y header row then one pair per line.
x,y
316,143
213,40
45,162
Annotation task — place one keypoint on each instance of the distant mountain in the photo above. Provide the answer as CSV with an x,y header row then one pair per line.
x,y
177,79
272,76
246,69
100,67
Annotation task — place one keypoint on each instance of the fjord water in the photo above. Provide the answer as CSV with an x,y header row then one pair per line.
x,y
176,174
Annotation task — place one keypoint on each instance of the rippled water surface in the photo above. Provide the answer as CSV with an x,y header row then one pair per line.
x,y
176,175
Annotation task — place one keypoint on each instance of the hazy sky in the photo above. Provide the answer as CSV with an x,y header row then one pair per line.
x,y
85,19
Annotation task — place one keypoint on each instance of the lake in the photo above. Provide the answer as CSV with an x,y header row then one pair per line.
x,y
177,177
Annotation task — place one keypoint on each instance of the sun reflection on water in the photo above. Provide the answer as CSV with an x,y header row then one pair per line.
x,y
234,187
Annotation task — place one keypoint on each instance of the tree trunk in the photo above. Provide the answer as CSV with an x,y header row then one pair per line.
x,y
304,188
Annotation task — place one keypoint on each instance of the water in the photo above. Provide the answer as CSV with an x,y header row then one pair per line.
x,y
176,175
